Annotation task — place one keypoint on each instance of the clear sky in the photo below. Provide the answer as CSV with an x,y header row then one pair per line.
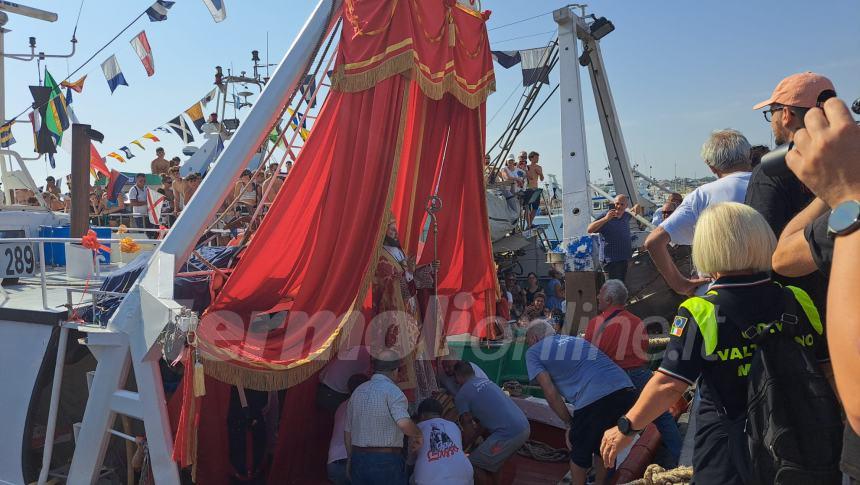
x,y
678,69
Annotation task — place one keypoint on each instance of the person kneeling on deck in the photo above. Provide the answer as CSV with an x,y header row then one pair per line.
x,y
376,420
507,427
622,337
441,458
570,368
712,340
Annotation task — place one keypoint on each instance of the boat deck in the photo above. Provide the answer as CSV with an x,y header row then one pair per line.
x,y
22,301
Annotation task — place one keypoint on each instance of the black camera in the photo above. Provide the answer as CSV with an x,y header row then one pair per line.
x,y
773,163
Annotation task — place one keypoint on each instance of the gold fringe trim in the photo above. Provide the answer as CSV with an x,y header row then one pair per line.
x,y
406,64
275,380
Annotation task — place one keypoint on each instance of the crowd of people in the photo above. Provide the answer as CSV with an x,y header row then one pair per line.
x,y
766,298
130,206
521,177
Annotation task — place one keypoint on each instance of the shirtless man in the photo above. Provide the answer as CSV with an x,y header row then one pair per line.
x,y
160,164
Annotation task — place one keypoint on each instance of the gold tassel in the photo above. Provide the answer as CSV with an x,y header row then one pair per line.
x,y
452,31
199,379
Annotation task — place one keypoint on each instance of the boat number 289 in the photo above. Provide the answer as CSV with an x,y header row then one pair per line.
x,y
17,260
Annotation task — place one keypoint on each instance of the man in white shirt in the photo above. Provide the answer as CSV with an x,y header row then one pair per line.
x,y
137,201
441,458
337,456
727,155
513,175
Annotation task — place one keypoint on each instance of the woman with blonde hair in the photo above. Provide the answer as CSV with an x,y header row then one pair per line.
x,y
733,244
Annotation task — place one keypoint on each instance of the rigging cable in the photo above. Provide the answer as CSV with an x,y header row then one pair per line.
x,y
525,36
520,21
105,46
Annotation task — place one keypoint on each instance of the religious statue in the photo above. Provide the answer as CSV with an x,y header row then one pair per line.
x,y
397,313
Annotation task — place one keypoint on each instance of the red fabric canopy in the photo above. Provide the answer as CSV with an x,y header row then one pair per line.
x,y
404,121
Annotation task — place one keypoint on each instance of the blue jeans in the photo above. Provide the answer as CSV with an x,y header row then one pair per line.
x,y
665,423
336,472
368,468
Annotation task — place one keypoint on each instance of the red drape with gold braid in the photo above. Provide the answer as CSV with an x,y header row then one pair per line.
x,y
404,120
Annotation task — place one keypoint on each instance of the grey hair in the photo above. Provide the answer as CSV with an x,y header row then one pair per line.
x,y
726,150
616,291
539,329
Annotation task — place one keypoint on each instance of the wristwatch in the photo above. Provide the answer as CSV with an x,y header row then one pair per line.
x,y
626,427
844,218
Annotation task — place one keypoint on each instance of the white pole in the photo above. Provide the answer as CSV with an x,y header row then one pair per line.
x,y
7,199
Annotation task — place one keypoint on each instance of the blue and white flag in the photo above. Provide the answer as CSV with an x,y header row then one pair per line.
x,y
72,117
158,11
127,152
217,8
507,59
113,73
535,64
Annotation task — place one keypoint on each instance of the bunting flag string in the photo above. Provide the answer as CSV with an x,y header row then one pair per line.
x,y
151,137
179,126
77,86
141,47
195,113
113,73
116,156
138,143
209,97
217,8
158,11
127,152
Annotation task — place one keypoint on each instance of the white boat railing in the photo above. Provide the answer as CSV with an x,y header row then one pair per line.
x,y
39,244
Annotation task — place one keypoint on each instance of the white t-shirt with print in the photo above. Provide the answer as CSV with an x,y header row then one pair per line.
x,y
441,458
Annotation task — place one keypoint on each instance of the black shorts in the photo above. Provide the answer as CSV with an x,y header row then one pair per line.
x,y
590,422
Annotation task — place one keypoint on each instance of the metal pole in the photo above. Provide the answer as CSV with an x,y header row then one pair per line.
x,y
80,180
48,450
434,205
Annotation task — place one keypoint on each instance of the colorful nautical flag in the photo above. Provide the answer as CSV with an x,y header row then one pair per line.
x,y
56,118
154,203
507,59
209,97
97,163
195,113
294,124
138,143
113,73
115,184
150,136
141,47
179,126
76,86
535,65
217,8
127,152
158,11
6,138
116,156
43,137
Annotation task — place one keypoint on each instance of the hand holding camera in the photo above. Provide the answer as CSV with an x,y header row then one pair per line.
x,y
826,154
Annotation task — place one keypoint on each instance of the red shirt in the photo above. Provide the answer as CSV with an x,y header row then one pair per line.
x,y
623,340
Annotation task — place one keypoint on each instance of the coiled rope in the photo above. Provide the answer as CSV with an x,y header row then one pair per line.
x,y
657,475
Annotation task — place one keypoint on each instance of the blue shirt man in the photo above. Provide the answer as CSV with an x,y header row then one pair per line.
x,y
614,226
571,369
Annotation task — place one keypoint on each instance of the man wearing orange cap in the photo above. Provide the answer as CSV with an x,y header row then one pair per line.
x,y
779,198
782,197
